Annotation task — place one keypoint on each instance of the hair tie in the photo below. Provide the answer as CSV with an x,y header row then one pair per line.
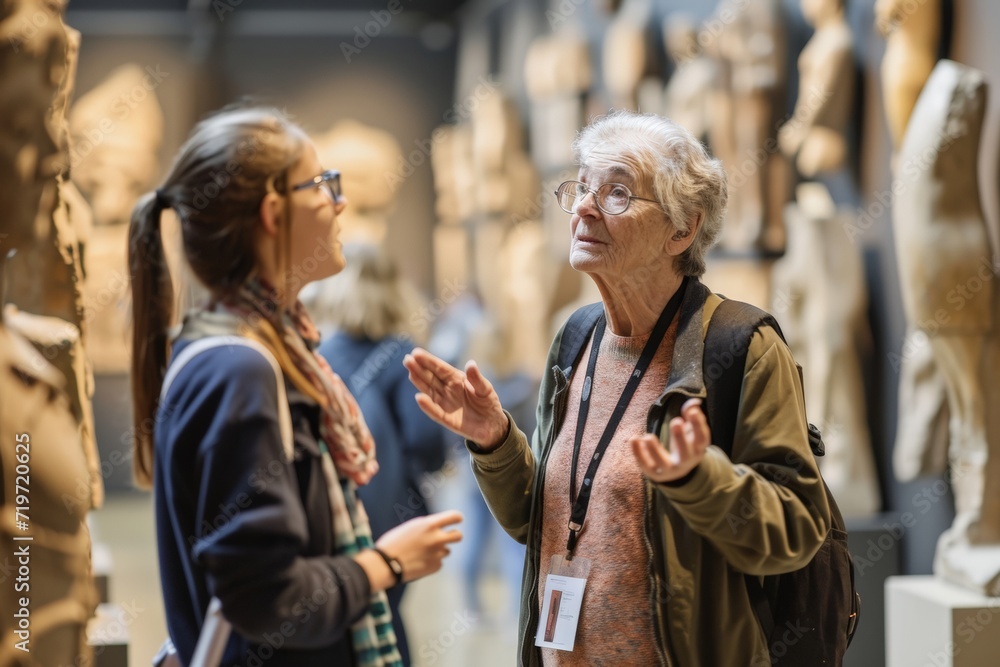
x,y
161,200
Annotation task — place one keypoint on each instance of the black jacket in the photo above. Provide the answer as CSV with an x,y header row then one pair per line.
x,y
237,520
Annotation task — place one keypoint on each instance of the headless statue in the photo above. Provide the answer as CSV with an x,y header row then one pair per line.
x,y
48,283
819,291
40,444
912,34
947,279
372,169
626,55
686,98
557,73
750,65
115,130
815,137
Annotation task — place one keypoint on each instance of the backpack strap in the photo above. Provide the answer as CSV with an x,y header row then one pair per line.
x,y
196,347
576,333
727,342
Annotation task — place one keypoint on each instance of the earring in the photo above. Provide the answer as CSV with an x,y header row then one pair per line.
x,y
680,235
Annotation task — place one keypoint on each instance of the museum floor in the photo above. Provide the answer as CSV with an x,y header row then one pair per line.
x,y
441,630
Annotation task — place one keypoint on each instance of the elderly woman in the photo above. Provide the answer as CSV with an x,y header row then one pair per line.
x,y
672,524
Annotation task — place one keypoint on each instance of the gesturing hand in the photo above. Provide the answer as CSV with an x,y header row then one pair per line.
x,y
421,544
689,438
463,402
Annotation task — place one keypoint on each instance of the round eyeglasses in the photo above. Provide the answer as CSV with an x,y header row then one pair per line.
x,y
612,198
329,179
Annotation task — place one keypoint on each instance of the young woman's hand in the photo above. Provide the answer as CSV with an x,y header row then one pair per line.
x,y
421,544
463,402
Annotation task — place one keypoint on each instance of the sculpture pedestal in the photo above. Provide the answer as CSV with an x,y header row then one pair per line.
x,y
932,622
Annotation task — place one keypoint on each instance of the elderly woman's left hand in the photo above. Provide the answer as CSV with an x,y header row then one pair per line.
x,y
689,438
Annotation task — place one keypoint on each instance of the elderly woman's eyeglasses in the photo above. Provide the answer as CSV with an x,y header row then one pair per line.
x,y
329,179
612,198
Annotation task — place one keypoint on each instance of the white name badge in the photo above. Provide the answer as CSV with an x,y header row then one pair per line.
x,y
561,602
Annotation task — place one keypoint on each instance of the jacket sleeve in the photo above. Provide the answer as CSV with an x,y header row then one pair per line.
x,y
506,475
251,527
766,510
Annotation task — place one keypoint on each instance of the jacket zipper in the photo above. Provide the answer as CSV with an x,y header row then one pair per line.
x,y
655,420
528,651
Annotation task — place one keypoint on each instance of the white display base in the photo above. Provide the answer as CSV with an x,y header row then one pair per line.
x,y
933,623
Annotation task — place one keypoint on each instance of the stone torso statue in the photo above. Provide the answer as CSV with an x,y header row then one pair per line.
x,y
45,483
947,279
816,136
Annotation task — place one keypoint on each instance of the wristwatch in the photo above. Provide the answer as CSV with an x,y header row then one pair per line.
x,y
394,565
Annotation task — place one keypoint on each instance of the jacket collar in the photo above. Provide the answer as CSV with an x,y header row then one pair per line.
x,y
689,346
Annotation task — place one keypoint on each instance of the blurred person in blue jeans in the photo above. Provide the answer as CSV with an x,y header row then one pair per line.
x,y
368,306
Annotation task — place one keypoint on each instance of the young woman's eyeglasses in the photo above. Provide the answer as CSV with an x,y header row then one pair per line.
x,y
612,198
329,179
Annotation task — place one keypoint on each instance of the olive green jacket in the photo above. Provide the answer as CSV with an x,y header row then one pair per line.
x,y
764,512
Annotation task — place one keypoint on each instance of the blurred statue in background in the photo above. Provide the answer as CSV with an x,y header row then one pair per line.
x,y
372,168
511,265
750,56
912,34
947,279
558,75
39,434
816,136
455,199
45,292
819,298
946,390
818,286
115,130
686,98
627,57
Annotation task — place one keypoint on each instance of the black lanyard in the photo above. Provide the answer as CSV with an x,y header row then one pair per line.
x,y
580,503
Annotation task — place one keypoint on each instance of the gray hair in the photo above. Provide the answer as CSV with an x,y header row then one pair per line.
x,y
686,180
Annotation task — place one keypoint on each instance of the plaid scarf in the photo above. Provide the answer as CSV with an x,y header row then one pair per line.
x,y
348,450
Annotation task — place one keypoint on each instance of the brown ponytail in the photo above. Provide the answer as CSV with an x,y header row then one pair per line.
x,y
215,186
152,312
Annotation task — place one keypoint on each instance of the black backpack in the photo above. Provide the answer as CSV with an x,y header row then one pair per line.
x,y
809,616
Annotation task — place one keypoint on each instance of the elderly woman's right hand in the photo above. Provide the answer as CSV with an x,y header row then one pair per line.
x,y
463,402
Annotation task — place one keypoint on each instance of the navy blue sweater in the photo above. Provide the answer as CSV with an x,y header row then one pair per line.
x,y
408,444
236,520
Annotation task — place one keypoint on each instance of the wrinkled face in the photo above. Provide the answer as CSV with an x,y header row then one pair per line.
x,y
32,65
623,247
316,251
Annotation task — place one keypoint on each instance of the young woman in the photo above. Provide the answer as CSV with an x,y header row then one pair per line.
x,y
255,448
